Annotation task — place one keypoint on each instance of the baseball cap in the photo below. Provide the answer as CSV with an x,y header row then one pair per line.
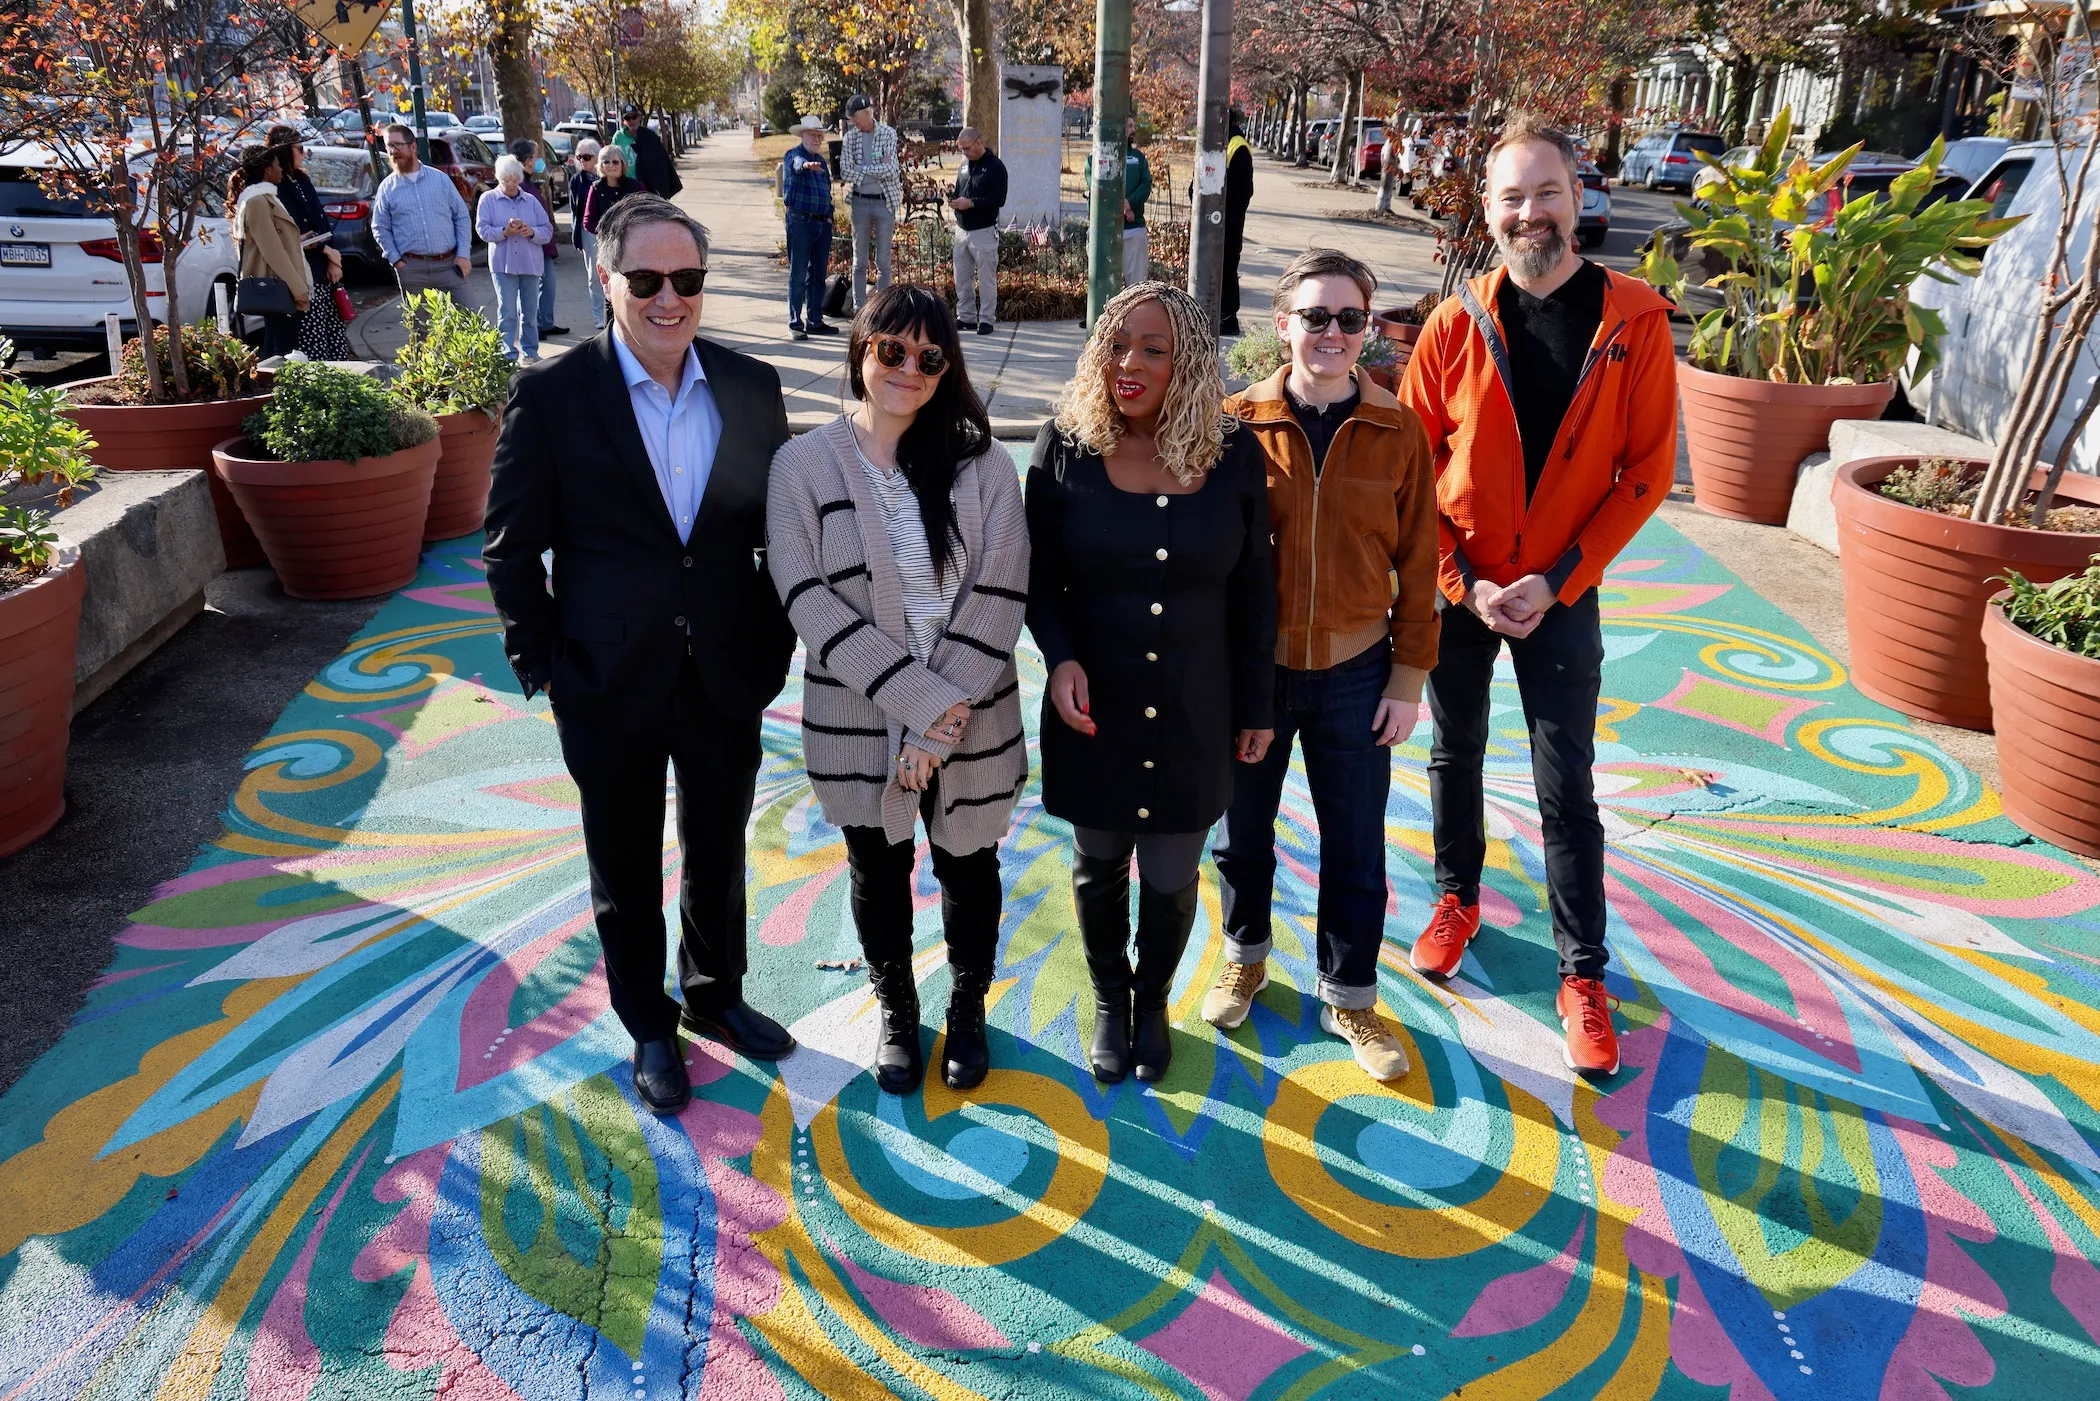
x,y
859,102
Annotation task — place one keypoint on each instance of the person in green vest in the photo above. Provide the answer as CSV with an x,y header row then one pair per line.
x,y
1137,188
1239,193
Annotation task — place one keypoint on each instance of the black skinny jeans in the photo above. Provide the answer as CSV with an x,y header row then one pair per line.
x,y
970,896
1560,671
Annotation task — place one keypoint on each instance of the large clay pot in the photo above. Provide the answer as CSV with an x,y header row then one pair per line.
x,y
173,438
1746,437
335,529
1916,583
2049,756
39,628
460,497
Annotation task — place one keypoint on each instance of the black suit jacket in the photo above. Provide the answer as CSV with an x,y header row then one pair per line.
x,y
572,475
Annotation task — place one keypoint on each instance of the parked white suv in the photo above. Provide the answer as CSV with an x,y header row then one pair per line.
x,y
61,274
1991,318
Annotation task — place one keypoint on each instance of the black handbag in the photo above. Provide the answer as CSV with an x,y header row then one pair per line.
x,y
264,296
838,302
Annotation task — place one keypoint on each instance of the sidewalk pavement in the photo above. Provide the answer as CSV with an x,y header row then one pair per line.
x,y
1019,371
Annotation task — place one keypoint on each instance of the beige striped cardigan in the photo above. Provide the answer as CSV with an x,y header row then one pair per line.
x,y
863,693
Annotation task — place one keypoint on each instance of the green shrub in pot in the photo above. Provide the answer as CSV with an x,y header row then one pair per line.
x,y
323,413
2065,613
453,361
38,445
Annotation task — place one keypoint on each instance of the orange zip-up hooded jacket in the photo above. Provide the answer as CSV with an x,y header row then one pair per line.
x,y
1612,461
1356,541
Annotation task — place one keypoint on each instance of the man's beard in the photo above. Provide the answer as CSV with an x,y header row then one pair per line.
x,y
1529,257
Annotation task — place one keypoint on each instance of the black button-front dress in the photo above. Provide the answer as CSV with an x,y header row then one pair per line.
x,y
1169,603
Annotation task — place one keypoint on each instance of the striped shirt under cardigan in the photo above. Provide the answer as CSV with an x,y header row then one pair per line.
x,y
863,693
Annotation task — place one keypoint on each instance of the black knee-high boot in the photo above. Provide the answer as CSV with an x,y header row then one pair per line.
x,y
899,1064
1101,893
1164,922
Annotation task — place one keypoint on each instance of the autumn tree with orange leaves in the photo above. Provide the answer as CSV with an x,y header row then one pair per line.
x,y
196,78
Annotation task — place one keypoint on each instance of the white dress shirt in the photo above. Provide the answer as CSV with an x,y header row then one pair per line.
x,y
680,431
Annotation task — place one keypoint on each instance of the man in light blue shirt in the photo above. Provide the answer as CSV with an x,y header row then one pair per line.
x,y
680,431
423,226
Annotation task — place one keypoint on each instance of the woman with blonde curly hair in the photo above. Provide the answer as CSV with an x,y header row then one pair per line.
x,y
1153,600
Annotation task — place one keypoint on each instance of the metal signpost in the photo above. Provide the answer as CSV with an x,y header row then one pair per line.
x,y
1214,104
1111,140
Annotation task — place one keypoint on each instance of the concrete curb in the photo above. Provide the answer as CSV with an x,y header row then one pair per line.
x,y
150,543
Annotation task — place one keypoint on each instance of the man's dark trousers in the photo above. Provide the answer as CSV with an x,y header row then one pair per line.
x,y
1229,279
1559,674
1329,713
809,258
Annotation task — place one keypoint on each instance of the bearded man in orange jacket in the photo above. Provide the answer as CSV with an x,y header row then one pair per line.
x,y
1549,392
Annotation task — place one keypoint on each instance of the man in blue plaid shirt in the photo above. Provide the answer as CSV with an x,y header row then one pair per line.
x,y
805,188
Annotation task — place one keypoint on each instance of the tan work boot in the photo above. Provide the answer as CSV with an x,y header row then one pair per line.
x,y
1227,1005
1377,1050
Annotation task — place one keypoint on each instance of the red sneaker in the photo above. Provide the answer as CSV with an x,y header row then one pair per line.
x,y
1443,943
1585,1015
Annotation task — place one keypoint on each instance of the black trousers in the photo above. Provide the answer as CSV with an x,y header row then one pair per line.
x,y
618,757
1229,279
1560,669
970,896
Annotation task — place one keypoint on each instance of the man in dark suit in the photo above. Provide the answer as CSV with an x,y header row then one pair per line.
x,y
640,458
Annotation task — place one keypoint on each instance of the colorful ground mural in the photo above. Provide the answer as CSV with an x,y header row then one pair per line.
x,y
366,1130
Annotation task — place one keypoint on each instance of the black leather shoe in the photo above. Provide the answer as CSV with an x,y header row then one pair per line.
x,y
985,328
900,1066
967,1054
741,1027
554,330
823,328
659,1076
798,333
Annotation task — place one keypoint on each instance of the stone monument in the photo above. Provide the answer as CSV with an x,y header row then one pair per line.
x,y
1031,142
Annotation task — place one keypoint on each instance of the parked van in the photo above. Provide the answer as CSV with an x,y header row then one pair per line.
x,y
1992,317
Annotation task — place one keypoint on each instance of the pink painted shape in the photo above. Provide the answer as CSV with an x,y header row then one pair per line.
x,y
108,978
1629,566
746,1283
1775,729
1940,1343
284,1364
498,712
2075,1280
787,923
487,1013
1676,598
1812,995
1519,1300
1497,910
1223,1344
922,1314
419,1335
453,596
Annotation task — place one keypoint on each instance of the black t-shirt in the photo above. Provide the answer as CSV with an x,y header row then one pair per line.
x,y
1321,424
1548,339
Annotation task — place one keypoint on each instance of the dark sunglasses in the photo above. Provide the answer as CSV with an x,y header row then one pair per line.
x,y
1316,318
685,282
891,352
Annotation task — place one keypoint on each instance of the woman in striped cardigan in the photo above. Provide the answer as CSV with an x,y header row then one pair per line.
x,y
897,540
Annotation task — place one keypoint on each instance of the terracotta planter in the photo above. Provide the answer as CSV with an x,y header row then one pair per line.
x,y
1746,437
1916,583
171,438
466,448
39,628
2049,759
1388,324
335,529
1382,376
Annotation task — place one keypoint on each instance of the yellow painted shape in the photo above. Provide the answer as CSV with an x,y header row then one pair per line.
x,y
1415,1233
401,650
1614,713
62,1183
191,1376
271,778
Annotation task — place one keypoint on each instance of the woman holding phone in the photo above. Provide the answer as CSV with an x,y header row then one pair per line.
x,y
1154,603
897,540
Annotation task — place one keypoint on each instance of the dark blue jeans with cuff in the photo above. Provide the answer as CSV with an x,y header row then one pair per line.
x,y
1560,671
809,257
1329,713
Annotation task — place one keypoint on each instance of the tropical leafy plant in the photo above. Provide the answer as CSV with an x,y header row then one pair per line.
x,y
322,412
38,445
453,361
2064,614
217,366
1816,289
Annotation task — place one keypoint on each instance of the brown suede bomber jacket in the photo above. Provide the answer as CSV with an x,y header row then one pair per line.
x,y
1356,544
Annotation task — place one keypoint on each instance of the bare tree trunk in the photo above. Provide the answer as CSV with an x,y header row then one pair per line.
x,y
517,84
1301,157
1345,136
980,56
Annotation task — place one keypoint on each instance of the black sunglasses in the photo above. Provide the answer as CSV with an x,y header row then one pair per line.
x,y
1350,318
891,353
685,282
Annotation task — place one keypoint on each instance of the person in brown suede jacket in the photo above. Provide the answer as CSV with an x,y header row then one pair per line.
x,y
1352,504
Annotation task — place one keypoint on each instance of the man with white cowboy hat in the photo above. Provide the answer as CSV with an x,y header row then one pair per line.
x,y
805,189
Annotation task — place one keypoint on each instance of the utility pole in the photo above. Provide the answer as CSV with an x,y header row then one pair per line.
x,y
1214,104
415,78
1111,139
